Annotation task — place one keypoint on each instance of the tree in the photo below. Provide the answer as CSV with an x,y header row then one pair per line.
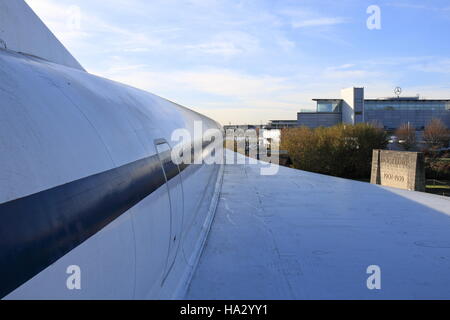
x,y
436,134
407,136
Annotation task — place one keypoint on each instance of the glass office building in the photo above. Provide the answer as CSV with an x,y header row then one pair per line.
x,y
406,104
393,112
390,113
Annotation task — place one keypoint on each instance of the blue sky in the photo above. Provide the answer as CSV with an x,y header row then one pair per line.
x,y
250,61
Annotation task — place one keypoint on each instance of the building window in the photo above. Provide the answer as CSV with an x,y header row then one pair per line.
x,y
328,106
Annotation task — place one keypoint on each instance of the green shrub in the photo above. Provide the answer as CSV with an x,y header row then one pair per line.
x,y
342,150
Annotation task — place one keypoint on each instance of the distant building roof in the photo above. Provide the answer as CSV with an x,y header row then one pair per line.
x,y
415,98
405,99
278,121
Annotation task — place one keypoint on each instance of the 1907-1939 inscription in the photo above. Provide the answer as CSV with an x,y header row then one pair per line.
x,y
399,169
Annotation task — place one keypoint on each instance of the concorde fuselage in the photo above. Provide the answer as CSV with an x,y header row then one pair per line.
x,y
86,180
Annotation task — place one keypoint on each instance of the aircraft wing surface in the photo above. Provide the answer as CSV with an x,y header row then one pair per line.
x,y
300,235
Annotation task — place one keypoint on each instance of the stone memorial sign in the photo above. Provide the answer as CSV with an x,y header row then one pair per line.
x,y
399,169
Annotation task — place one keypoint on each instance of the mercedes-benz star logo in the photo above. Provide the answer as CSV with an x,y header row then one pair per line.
x,y
398,91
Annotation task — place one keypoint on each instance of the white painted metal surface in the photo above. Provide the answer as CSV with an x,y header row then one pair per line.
x,y
57,125
22,31
300,235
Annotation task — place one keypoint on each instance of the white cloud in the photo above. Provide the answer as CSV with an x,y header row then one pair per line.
x,y
435,65
285,44
227,44
318,22
344,66
230,94
304,17
218,82
359,74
